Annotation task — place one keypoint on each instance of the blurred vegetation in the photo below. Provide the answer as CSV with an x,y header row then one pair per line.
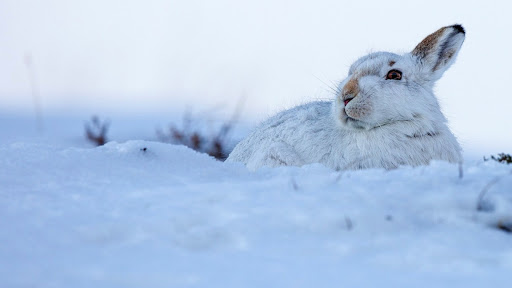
x,y
96,130
501,157
215,145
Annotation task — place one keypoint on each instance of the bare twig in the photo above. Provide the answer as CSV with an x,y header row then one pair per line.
x,y
295,186
213,146
29,62
96,131
481,205
348,223
505,226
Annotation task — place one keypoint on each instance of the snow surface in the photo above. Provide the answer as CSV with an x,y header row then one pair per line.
x,y
166,216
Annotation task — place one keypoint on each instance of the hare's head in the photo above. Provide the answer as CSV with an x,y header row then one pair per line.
x,y
383,88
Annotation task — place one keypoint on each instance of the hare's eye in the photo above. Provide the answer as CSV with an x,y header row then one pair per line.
x,y
394,75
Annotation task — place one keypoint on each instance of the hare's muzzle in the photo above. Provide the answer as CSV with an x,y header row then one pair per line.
x,y
350,90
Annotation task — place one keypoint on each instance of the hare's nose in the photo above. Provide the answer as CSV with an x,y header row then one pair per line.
x,y
351,89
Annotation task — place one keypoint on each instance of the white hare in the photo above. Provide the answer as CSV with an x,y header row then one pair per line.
x,y
385,115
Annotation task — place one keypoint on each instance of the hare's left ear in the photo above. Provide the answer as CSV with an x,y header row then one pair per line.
x,y
438,50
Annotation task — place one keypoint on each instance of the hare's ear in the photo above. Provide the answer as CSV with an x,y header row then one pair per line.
x,y
438,50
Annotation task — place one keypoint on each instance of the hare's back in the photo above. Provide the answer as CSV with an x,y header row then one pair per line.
x,y
300,130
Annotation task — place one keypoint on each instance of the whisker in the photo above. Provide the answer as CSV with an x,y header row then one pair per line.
x,y
337,85
333,89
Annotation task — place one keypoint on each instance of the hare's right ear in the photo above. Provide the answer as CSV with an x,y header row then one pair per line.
x,y
437,52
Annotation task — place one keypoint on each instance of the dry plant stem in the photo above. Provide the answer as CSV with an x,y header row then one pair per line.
x,y
97,133
35,92
480,201
194,140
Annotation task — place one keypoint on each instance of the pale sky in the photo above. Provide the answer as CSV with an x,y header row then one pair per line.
x,y
128,56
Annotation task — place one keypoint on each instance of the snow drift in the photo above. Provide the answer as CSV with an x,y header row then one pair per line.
x,y
145,214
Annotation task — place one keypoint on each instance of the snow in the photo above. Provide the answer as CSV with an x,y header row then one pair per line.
x,y
166,216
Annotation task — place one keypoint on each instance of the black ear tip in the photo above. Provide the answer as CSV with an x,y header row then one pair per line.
x,y
459,28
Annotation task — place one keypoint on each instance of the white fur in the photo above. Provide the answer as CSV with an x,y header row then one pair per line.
x,y
387,124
